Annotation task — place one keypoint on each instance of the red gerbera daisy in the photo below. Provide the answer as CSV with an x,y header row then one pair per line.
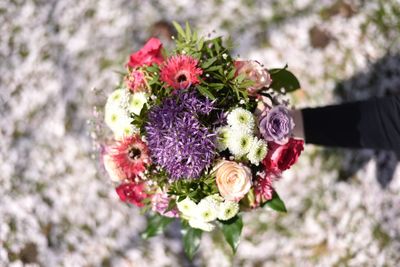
x,y
131,155
180,72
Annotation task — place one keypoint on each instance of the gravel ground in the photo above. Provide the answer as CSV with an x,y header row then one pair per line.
x,y
57,207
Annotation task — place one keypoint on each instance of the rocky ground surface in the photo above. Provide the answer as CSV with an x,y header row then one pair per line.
x,y
57,207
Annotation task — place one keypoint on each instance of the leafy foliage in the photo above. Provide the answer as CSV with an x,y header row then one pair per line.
x,y
191,239
195,189
284,79
156,225
218,77
276,203
232,230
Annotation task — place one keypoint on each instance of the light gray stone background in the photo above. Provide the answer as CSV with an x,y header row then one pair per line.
x,y
57,207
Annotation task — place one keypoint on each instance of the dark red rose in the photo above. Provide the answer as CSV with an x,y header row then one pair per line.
x,y
282,157
149,54
132,193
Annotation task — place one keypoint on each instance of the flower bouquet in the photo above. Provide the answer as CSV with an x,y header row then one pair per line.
x,y
199,136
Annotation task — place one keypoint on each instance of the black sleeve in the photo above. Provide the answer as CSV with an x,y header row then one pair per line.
x,y
374,123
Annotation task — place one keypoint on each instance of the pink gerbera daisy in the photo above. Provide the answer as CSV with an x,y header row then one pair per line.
x,y
181,71
131,155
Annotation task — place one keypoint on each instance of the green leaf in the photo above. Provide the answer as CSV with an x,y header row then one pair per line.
x,y
208,63
214,68
179,29
276,203
205,92
200,44
232,230
240,78
171,205
231,74
153,68
282,78
191,240
188,31
156,225
216,86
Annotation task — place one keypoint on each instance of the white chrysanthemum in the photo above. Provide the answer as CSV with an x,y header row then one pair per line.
x,y
199,224
115,117
241,118
258,151
118,98
228,210
216,199
207,210
187,207
126,128
136,102
239,143
222,138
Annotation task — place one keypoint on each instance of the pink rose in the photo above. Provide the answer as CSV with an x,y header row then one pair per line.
x,y
254,72
282,157
233,180
149,54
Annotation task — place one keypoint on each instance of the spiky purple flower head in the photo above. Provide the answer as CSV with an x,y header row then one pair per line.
x,y
177,140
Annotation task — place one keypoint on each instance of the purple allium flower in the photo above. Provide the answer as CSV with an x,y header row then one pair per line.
x,y
160,203
276,125
177,140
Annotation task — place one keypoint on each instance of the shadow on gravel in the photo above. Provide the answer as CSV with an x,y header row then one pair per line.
x,y
381,79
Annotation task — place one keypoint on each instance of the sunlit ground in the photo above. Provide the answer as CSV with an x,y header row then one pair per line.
x,y
57,207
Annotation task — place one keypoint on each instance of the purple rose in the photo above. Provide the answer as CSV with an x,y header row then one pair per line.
x,y
276,125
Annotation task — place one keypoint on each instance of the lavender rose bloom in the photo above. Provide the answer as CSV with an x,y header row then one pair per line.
x,y
276,125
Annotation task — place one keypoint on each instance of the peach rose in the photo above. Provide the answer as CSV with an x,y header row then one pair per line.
x,y
256,73
233,180
115,173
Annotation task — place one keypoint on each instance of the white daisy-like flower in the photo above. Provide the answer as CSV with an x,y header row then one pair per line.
x,y
207,210
216,199
241,118
136,102
258,151
239,143
119,97
126,128
116,117
222,138
228,210
187,207
199,224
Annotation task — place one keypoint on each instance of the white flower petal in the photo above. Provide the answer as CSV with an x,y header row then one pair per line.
x,y
136,102
199,224
187,207
241,118
258,151
228,210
